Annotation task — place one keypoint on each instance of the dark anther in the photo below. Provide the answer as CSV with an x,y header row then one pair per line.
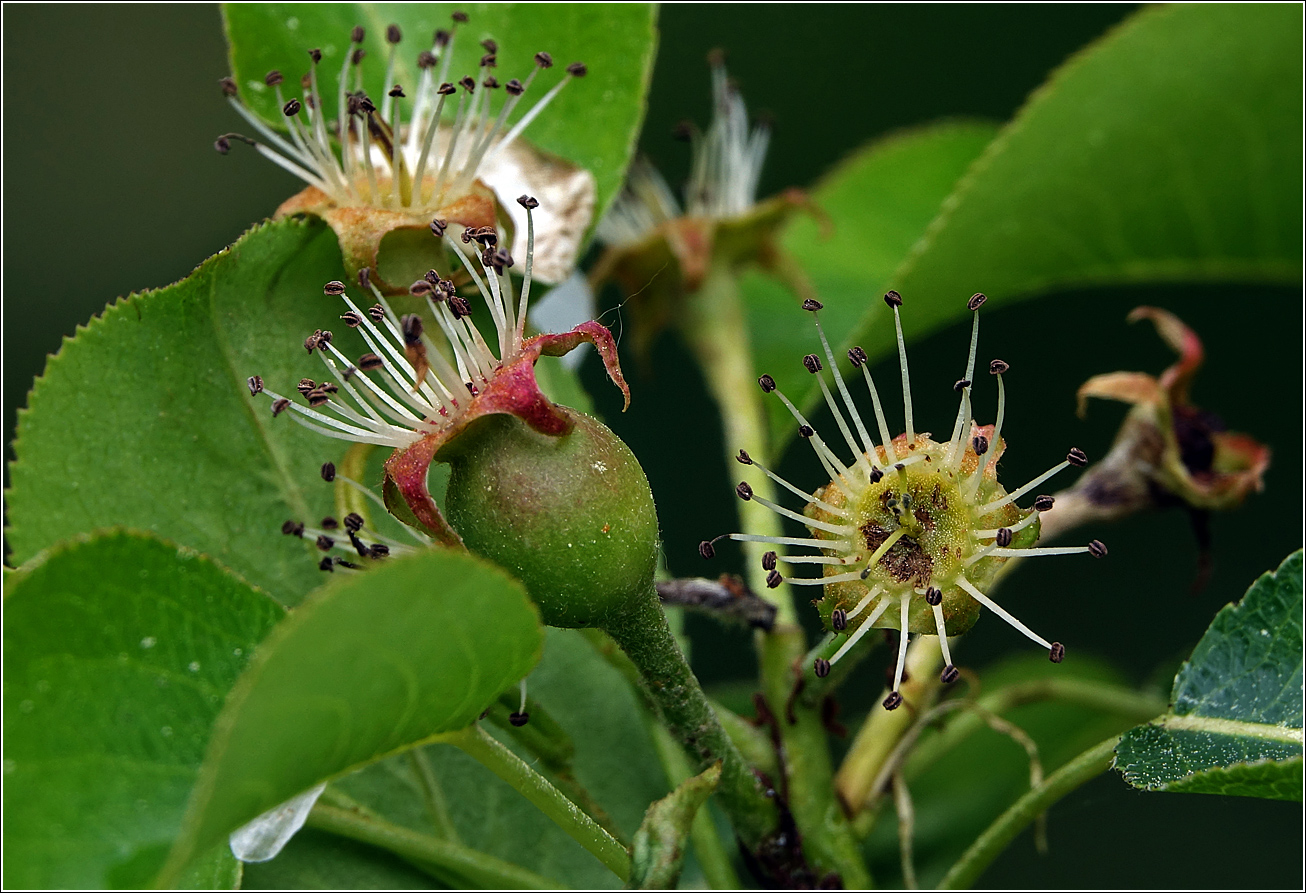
x,y
821,667
744,491
893,701
369,361
273,78
961,384
222,145
997,367
315,55
379,550
893,299
1077,457
514,88
279,406
501,260
326,564
544,60
933,596
1003,538
805,431
577,69
899,467
812,362
876,475
766,383
353,522
377,312
324,337
410,324
292,528
255,383
291,108
357,57
528,202
773,579
976,301
325,542
441,37
432,277
490,83
393,34
866,572
353,319
468,83
459,307
1044,503
856,356
317,397
768,561
489,45
328,388
330,523
980,443
365,277
707,550
438,226
743,458
446,89
949,675
359,546
328,471
397,92
228,86
334,287
460,17
420,287
519,719
1097,549
342,563
839,620
425,59
356,36
1058,653
812,305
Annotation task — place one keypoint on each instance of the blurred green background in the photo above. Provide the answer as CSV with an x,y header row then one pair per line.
x,y
112,185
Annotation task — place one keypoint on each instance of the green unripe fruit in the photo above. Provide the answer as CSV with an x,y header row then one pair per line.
x,y
572,517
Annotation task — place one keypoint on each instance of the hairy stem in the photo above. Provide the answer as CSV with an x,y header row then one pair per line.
x,y
996,837
715,329
448,858
496,757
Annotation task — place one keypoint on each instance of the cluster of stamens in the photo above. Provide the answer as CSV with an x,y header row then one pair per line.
x,y
383,160
726,164
910,523
405,386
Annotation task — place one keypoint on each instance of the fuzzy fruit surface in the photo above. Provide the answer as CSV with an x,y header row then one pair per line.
x,y
572,517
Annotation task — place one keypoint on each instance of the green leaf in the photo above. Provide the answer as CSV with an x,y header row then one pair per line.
x,y
878,203
592,123
1235,723
614,759
371,665
659,848
118,653
206,466
1170,150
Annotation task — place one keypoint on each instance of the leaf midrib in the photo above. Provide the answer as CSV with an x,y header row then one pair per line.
x,y
1231,727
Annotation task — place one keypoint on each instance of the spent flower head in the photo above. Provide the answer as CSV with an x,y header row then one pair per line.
x,y
442,147
911,532
424,379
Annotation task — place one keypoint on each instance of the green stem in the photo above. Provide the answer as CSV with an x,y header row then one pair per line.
x,y
433,795
712,856
646,638
496,757
715,328
478,868
996,837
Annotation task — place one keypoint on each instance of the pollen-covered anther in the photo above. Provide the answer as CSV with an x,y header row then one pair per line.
x,y
949,675
893,701
1097,549
773,580
1057,653
769,560
821,667
1044,503
839,620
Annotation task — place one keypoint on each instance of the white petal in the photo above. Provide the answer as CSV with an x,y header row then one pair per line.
x,y
263,838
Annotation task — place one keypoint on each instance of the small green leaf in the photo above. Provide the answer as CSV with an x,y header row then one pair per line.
x,y
659,848
369,666
1235,725
877,203
207,466
1168,151
118,653
592,123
